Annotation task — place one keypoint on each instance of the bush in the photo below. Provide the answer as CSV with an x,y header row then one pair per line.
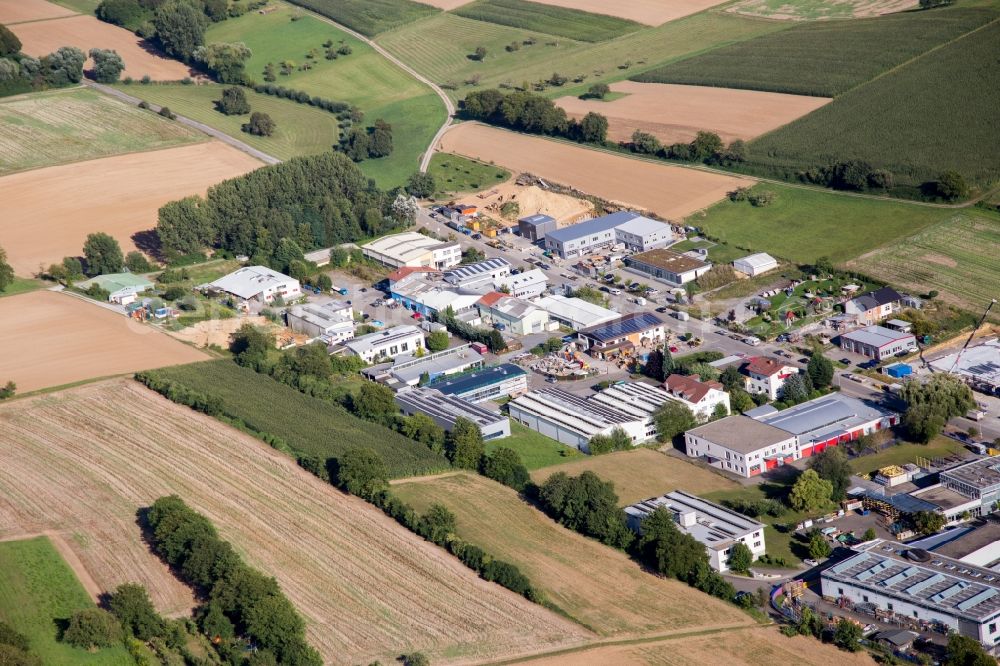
x,y
260,124
166,112
92,628
234,102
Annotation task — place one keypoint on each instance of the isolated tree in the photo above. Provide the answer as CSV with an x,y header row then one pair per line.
x,y
136,262
6,271
951,185
357,144
831,464
362,472
374,402
103,254
653,367
8,390
260,124
226,61
673,418
732,379
820,370
587,505
421,185
666,549
504,466
720,412
131,605
437,341
616,440
847,635
91,628
437,525
598,91
819,547
740,558
594,128
9,43
479,54
108,65
930,405
464,444
381,139
180,28
740,401
810,492
250,345
928,522
795,389
184,227
965,651
869,534
416,659
234,102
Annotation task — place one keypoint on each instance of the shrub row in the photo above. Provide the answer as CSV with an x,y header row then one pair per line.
x,y
242,601
302,97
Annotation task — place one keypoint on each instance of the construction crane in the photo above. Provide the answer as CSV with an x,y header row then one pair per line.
x,y
982,320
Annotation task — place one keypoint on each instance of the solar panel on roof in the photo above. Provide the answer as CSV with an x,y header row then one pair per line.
x,y
623,327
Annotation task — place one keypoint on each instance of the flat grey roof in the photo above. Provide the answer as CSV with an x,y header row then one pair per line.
x,y
981,362
824,417
983,473
594,226
435,403
715,526
741,433
970,541
876,336
940,583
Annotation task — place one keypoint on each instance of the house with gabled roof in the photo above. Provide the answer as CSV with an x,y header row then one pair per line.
x,y
702,398
874,306
766,374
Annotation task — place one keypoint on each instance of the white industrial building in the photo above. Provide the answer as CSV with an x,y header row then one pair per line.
x,y
740,445
493,383
714,526
575,313
332,322
387,344
524,285
407,370
513,315
979,365
637,399
926,587
446,409
640,234
413,249
668,266
756,264
878,342
257,283
622,228
482,275
571,419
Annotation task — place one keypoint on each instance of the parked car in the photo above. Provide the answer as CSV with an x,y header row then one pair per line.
x,y
477,236
652,292
416,315
673,350
551,380
661,309
616,292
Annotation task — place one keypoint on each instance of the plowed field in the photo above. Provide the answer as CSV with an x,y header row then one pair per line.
x,y
53,339
84,461
650,12
47,213
675,113
670,191
86,32
18,11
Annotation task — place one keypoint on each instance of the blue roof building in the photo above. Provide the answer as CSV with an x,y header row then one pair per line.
x,y
585,237
898,370
491,383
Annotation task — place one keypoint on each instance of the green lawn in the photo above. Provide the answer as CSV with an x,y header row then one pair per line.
x,y
454,174
446,61
956,257
38,592
804,224
906,453
825,58
21,285
560,21
536,450
82,6
300,129
364,78
720,253
75,124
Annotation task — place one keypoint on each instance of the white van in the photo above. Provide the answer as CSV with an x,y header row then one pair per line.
x,y
615,292
753,342
639,300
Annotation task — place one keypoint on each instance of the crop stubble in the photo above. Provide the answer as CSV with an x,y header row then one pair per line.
x,y
85,460
670,191
649,12
18,11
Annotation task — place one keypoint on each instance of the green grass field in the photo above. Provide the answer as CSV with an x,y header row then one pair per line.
x,y
719,253
552,20
825,58
307,425
957,257
82,6
21,286
779,539
536,450
902,454
301,129
369,17
454,174
445,61
805,224
38,591
935,114
71,125
364,78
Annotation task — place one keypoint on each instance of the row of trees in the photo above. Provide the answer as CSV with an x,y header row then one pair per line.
x,y
312,201
62,67
529,112
241,601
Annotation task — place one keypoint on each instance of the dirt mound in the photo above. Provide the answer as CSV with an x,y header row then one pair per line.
x,y
532,200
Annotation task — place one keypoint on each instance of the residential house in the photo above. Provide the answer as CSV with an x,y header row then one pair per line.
x,y
702,398
873,307
767,375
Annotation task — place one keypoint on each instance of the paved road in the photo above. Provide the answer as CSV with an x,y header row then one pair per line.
x,y
202,127
449,106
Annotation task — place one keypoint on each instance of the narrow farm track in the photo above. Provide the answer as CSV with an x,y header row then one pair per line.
x,y
202,127
449,106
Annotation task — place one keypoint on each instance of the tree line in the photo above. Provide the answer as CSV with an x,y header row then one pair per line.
x,y
281,210
21,72
528,112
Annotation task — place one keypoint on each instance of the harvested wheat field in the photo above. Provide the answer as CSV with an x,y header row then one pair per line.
x,y
670,191
49,212
532,200
642,473
446,4
52,339
676,113
648,12
84,461
86,32
760,646
823,9
594,584
18,11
